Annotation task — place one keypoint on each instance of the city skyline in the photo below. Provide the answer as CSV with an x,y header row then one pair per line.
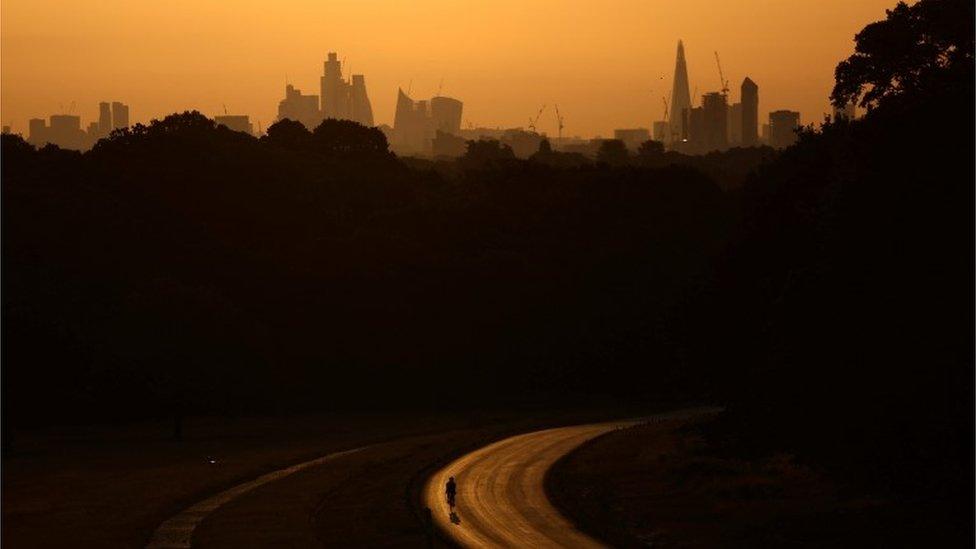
x,y
627,72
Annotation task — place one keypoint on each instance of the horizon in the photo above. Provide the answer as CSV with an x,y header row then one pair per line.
x,y
163,71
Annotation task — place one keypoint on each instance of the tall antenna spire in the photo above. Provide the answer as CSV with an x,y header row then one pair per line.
x,y
680,98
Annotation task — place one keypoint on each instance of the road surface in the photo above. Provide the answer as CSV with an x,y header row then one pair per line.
x,y
501,501
177,532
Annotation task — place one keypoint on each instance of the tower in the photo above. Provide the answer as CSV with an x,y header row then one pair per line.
x,y
360,108
104,118
680,96
334,100
749,96
120,115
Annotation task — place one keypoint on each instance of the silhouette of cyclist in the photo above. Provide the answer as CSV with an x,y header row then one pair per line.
x,y
451,492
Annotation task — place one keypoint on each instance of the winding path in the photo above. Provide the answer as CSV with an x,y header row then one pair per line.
x,y
177,532
500,499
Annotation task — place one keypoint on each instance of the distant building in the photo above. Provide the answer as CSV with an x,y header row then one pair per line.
x,y
104,119
680,96
65,132
523,143
93,131
360,109
235,122
765,134
411,125
782,128
735,125
415,123
6,130
715,106
662,131
341,99
445,114
693,130
750,113
37,132
632,138
120,115
300,108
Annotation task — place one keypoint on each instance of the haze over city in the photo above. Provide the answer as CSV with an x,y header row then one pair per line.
x,y
544,273
607,65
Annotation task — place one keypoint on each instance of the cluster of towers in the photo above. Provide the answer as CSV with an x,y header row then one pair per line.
x,y
339,98
64,130
715,124
420,127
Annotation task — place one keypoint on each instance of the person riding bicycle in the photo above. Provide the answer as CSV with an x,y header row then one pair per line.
x,y
451,491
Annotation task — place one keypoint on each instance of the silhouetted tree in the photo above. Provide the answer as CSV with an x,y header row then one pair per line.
x,y
916,50
650,149
288,134
345,137
483,153
612,152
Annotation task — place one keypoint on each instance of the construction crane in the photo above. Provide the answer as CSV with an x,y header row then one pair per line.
x,y
721,76
532,121
225,107
666,113
559,122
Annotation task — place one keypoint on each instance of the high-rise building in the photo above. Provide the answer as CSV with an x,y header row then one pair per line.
x,y
715,138
750,112
334,95
341,99
693,128
360,109
680,96
735,125
37,132
632,138
411,125
65,132
782,128
120,115
416,122
445,114
299,107
104,119
236,122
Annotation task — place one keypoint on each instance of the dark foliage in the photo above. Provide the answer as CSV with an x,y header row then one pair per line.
x,y
915,49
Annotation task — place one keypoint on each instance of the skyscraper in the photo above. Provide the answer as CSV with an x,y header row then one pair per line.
x,y
749,96
300,107
104,119
735,125
342,99
360,109
120,115
445,113
716,115
334,95
680,96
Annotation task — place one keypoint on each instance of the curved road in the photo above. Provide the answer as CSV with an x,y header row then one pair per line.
x,y
501,501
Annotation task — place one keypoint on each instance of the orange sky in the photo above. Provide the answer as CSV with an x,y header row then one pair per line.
x,y
606,63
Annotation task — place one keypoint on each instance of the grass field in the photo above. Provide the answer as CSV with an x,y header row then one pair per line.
x,y
660,485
